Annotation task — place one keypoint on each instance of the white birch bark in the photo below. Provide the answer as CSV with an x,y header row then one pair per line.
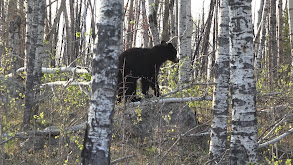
x,y
262,36
221,90
32,35
290,9
184,39
29,19
37,73
243,148
108,21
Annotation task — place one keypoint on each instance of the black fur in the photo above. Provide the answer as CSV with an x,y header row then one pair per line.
x,y
142,63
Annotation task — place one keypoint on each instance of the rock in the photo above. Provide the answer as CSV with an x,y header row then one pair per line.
x,y
148,120
10,88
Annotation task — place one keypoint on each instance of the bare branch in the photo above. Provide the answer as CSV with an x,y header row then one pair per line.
x,y
52,130
122,159
276,139
65,83
59,70
169,100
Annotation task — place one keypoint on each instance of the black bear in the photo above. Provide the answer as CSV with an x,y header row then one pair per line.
x,y
142,63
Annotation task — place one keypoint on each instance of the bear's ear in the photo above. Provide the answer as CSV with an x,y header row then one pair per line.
x,y
163,42
170,44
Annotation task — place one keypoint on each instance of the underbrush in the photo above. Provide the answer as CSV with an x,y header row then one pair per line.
x,y
64,107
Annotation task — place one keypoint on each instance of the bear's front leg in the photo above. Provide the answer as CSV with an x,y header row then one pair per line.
x,y
155,86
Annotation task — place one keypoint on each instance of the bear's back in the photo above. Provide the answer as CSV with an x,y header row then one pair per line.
x,y
139,61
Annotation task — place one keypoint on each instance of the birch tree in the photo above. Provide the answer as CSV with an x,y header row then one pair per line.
x,y
97,141
184,39
14,38
280,31
206,39
290,9
243,148
130,22
165,32
221,90
146,42
152,16
34,40
173,20
273,53
261,47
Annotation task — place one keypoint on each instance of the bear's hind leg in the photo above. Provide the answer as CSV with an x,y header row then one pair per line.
x,y
130,93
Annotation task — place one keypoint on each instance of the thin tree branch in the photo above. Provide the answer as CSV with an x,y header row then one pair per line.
x,y
276,139
122,159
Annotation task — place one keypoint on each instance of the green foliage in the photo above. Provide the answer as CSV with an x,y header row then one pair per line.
x,y
169,77
138,112
5,64
269,114
60,107
78,34
279,162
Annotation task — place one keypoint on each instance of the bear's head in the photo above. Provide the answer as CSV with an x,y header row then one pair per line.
x,y
170,51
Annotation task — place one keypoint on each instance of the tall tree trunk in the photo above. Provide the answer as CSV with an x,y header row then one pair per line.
x,y
136,22
152,16
72,42
37,73
211,56
261,48
130,23
273,44
290,10
280,32
52,35
173,20
29,63
68,53
243,148
14,39
206,38
108,16
145,26
35,16
221,90
166,29
258,25
184,39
